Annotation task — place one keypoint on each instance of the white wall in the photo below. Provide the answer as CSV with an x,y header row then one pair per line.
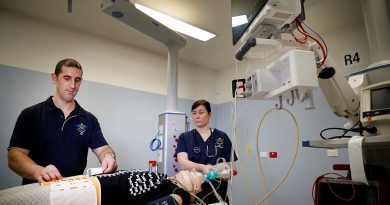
x,y
37,45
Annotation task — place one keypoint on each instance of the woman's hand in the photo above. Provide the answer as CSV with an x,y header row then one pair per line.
x,y
206,168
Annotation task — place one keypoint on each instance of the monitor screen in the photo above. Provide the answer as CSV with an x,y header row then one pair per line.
x,y
380,98
249,8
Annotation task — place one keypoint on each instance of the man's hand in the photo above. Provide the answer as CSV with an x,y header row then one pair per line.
x,y
107,157
48,173
109,164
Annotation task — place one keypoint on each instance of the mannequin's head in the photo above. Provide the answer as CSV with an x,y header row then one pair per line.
x,y
190,180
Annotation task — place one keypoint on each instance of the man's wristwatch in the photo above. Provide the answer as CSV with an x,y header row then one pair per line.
x,y
109,155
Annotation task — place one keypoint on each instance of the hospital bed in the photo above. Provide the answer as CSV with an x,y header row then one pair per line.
x,y
83,190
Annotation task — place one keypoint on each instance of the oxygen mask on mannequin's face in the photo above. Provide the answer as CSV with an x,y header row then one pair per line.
x,y
190,180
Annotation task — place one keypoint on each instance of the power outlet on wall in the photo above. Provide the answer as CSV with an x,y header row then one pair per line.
x,y
332,153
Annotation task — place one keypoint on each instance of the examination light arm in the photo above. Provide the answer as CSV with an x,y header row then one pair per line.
x,y
338,93
344,96
127,13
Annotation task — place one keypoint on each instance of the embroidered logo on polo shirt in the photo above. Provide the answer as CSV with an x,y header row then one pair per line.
x,y
81,128
219,142
196,149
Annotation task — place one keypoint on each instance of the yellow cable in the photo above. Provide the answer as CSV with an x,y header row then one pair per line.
x,y
259,162
235,147
294,155
212,190
177,183
242,173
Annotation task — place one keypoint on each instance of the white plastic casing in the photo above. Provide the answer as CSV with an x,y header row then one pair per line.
x,y
296,69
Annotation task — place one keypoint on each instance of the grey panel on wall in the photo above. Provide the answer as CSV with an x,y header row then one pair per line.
x,y
19,89
128,118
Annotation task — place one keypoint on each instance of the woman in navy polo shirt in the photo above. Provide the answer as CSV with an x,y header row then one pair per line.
x,y
203,147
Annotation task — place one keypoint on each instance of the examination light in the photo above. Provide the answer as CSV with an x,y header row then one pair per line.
x,y
176,25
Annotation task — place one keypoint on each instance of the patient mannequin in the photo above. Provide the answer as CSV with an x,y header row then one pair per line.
x,y
151,188
121,187
142,187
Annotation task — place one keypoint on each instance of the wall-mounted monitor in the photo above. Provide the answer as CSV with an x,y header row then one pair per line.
x,y
264,17
247,8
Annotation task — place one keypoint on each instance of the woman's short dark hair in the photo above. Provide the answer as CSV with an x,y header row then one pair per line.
x,y
198,103
67,63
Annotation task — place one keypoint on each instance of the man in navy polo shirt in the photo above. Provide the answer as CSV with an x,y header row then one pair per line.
x,y
51,139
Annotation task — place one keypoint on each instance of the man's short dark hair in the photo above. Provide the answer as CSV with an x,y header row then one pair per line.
x,y
67,63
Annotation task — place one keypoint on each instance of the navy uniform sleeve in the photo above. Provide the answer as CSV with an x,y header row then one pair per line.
x,y
181,144
22,135
97,138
